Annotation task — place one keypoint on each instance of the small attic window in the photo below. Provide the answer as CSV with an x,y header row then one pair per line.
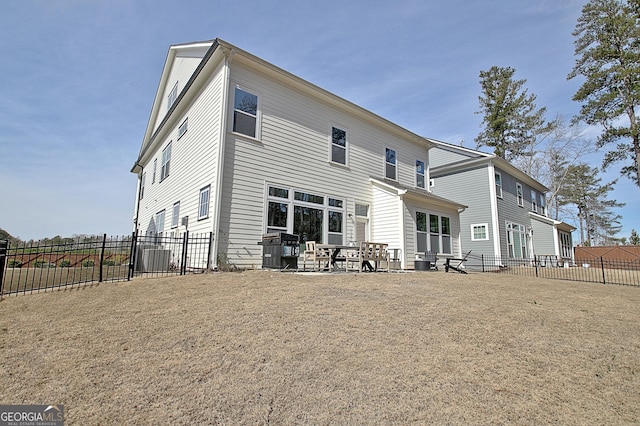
x,y
173,95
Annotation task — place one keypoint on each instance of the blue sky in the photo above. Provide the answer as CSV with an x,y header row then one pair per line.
x,y
79,77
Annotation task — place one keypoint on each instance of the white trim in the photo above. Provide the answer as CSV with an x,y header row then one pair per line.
x,y
494,210
249,89
486,231
345,129
519,195
217,193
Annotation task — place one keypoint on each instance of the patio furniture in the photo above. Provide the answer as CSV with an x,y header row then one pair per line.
x,y
458,267
314,253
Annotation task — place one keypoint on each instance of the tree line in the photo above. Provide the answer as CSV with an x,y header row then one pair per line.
x,y
607,51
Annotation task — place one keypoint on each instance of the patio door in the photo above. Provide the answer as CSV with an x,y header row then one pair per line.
x,y
362,223
362,229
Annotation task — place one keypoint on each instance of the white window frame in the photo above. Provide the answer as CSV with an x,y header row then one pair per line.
x,y
420,177
543,205
203,202
160,223
166,162
155,167
173,96
430,234
523,249
534,201
387,164
182,129
142,183
175,218
520,194
498,178
333,145
256,116
295,197
484,226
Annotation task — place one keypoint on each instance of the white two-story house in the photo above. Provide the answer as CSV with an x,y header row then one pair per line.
x,y
243,148
507,217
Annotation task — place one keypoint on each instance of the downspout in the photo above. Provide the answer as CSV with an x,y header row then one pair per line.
x,y
140,177
403,252
228,54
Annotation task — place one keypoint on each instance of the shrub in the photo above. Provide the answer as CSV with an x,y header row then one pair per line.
x,y
88,263
109,262
64,263
13,263
39,264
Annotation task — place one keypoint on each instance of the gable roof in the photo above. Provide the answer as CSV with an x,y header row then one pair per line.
x,y
477,158
216,51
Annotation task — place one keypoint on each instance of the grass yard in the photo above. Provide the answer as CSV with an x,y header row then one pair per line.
x,y
268,347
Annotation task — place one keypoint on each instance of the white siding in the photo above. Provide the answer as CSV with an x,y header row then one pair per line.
x,y
293,151
193,163
181,71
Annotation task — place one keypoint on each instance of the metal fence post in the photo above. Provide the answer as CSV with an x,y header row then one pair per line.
x,y
132,252
4,245
209,252
604,281
535,262
185,244
104,243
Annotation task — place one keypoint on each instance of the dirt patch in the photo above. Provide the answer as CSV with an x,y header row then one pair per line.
x,y
284,348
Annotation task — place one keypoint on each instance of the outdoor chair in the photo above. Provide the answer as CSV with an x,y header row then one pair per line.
x,y
315,254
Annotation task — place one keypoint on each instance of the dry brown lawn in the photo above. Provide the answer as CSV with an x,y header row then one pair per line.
x,y
268,347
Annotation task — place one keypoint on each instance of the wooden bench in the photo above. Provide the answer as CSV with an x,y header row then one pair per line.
x,y
368,255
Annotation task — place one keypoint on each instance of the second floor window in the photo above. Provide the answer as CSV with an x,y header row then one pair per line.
x,y
338,145
166,162
420,174
534,202
498,185
520,194
390,164
245,113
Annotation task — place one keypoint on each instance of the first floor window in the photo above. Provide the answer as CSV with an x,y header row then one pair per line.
x,y
516,241
175,219
434,235
160,223
479,232
420,174
203,206
311,216
390,164
565,245
245,113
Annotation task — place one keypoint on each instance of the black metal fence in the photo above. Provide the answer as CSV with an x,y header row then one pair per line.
x,y
595,269
43,266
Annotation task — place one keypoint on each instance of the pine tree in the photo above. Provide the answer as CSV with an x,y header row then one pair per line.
x,y
607,47
511,119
